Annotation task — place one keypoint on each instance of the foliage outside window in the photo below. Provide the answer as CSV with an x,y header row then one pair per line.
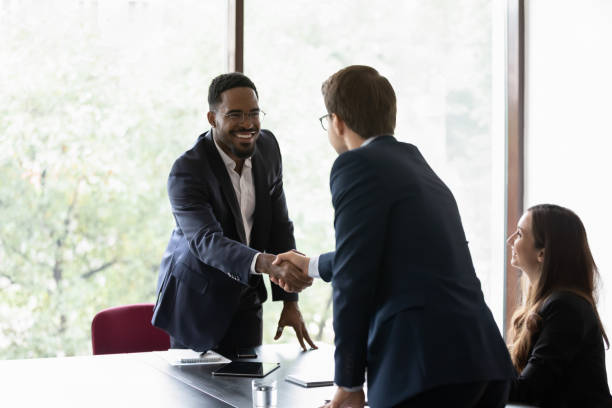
x,y
97,99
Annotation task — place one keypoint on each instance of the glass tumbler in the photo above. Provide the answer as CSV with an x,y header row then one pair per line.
x,y
264,393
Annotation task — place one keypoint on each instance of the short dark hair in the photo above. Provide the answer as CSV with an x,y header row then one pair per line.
x,y
363,99
224,82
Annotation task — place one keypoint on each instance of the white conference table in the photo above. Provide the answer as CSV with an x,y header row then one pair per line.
x,y
148,380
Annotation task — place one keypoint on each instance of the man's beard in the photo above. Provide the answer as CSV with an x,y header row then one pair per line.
x,y
242,153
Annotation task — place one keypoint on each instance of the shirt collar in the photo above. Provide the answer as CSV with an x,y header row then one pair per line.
x,y
229,162
369,140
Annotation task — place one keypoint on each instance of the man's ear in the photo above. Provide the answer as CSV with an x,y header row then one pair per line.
x,y
211,118
338,125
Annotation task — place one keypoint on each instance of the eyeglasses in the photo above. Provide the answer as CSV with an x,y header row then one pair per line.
x,y
238,117
323,122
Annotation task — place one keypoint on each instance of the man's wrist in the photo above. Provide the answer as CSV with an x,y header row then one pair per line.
x,y
263,263
351,389
253,270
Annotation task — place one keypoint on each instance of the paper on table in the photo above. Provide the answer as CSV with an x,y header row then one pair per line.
x,y
181,357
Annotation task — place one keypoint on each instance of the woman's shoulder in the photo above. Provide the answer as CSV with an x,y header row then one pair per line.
x,y
567,303
569,318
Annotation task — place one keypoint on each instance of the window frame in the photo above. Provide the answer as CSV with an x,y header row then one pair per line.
x,y
514,134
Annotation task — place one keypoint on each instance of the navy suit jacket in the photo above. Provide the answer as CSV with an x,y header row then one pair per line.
x,y
407,303
207,262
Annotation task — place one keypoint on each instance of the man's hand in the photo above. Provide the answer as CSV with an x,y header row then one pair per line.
x,y
297,259
346,399
293,279
291,316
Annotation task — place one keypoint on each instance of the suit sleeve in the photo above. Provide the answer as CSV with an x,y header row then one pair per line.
x,y
195,217
326,263
360,223
560,339
282,239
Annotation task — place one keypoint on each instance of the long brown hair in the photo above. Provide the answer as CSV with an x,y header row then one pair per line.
x,y
568,265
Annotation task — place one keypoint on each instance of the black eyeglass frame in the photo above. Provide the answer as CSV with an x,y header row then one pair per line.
x,y
323,124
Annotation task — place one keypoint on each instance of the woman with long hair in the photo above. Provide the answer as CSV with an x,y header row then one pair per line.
x,y
556,337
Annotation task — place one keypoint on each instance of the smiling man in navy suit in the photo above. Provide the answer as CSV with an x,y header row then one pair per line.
x,y
408,307
227,199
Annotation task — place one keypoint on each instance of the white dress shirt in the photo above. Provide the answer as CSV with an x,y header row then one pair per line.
x,y
244,187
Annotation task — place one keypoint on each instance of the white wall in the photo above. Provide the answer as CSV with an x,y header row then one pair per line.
x,y
568,121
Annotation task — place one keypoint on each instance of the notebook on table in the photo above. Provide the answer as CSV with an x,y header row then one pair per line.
x,y
309,380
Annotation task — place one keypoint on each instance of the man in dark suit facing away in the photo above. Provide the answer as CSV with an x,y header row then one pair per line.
x,y
227,199
408,307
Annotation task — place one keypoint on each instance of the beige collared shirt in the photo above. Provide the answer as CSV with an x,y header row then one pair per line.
x,y
244,187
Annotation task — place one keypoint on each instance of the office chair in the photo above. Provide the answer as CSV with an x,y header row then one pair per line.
x,y
127,329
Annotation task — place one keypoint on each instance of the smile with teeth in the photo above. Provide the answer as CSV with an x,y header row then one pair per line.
x,y
245,135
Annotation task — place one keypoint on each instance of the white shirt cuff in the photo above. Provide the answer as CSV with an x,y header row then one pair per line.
x,y
253,271
313,267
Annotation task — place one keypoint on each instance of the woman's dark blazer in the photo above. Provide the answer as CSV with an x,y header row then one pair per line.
x,y
566,366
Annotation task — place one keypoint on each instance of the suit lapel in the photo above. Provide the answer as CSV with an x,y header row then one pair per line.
x,y
262,215
220,172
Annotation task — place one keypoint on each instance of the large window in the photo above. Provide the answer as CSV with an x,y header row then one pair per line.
x,y
97,99
567,125
446,63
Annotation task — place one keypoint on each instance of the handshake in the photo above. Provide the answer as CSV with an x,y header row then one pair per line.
x,y
288,270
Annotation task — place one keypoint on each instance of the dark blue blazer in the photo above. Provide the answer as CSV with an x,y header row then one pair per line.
x,y
407,303
567,362
207,262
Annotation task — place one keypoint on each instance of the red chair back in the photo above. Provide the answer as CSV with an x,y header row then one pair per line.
x,y
127,329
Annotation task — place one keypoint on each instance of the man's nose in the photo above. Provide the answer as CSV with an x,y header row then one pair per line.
x,y
246,118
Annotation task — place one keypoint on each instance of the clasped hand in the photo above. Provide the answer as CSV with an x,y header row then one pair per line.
x,y
284,272
296,260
